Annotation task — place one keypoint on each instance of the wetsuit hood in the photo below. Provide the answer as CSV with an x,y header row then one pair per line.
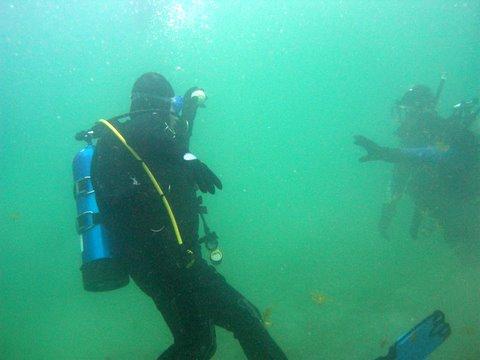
x,y
151,91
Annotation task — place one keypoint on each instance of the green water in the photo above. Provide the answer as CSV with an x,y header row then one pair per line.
x,y
289,84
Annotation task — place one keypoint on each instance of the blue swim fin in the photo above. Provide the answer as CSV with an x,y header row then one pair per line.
x,y
423,339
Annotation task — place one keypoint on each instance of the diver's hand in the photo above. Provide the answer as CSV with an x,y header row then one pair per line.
x,y
374,151
195,96
206,180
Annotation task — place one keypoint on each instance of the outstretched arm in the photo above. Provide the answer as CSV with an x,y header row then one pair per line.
x,y
376,152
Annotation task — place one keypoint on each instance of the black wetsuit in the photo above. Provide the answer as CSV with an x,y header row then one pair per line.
x,y
192,299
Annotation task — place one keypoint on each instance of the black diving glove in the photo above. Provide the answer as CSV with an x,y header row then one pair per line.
x,y
206,180
376,152
195,96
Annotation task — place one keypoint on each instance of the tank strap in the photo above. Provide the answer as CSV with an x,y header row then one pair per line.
x,y
87,220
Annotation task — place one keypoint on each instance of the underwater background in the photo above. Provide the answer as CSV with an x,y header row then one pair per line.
x,y
289,84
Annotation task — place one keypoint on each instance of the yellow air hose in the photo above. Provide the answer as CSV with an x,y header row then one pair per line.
x,y
154,181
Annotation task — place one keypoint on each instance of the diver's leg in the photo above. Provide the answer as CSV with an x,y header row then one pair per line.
x,y
416,222
173,293
232,311
244,320
193,331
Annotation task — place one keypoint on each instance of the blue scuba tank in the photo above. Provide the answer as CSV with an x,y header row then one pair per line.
x,y
102,269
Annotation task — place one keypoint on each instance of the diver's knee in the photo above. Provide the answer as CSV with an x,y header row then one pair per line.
x,y
249,311
201,351
207,352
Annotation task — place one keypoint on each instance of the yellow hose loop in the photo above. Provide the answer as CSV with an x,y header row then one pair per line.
x,y
154,181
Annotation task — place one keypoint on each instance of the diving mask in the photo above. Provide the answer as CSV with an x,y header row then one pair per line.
x,y
173,104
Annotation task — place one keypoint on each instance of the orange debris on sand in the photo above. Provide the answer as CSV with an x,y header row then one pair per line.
x,y
267,317
317,297
15,216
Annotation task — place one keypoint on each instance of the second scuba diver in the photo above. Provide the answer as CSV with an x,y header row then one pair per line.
x,y
444,179
419,126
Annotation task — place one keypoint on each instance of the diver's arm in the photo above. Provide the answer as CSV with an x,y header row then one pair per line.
x,y
375,152
193,99
205,178
428,154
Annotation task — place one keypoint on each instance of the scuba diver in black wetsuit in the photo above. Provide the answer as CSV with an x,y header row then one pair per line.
x,y
153,214
446,182
419,125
